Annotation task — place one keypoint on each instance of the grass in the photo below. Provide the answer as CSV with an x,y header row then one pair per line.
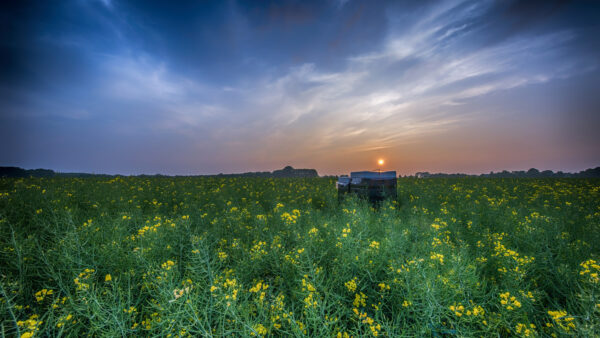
x,y
266,257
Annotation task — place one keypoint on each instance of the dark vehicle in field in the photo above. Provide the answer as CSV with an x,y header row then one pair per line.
x,y
372,185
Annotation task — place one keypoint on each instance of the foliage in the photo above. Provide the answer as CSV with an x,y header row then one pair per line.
x,y
258,256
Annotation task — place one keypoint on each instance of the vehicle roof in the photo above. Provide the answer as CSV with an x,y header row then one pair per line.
x,y
376,175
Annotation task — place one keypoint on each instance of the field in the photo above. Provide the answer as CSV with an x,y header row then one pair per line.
x,y
268,257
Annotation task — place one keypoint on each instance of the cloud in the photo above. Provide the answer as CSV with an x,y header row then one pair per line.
x,y
143,78
406,90
236,91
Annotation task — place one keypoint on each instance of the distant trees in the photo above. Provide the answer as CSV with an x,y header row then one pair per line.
x,y
289,171
531,173
20,172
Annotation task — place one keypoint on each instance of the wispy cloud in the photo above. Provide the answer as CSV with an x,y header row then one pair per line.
x,y
379,100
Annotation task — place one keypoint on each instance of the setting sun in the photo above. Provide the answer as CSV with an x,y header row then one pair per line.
x,y
380,162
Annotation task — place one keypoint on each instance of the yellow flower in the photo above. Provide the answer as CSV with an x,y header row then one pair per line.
x,y
167,265
108,278
260,330
437,257
359,300
259,286
383,286
351,285
130,310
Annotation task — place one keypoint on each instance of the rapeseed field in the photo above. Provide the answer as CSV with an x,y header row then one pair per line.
x,y
212,256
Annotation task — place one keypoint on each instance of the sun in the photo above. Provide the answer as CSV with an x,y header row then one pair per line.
x,y
380,162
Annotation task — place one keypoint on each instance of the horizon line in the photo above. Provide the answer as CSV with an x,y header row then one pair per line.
x,y
319,175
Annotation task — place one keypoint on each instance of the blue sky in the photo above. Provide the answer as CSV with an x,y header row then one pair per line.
x,y
199,87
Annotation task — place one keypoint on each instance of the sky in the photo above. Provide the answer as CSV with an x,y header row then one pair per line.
x,y
207,87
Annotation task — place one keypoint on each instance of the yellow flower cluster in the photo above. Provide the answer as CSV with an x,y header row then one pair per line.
x,y
459,310
277,308
310,300
437,257
130,310
56,302
148,228
260,330
383,287
528,295
231,285
374,245
31,326
365,319
290,218
167,265
228,284
259,286
40,295
351,284
524,330
81,279
508,301
258,249
346,231
501,250
590,269
360,300
64,319
563,320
